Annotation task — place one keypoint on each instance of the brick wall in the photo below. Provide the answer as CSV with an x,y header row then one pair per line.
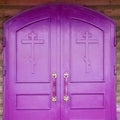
x,y
111,8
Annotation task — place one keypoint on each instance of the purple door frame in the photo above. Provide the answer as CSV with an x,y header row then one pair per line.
x,y
60,65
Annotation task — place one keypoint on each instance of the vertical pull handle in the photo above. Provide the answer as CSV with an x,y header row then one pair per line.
x,y
54,78
66,97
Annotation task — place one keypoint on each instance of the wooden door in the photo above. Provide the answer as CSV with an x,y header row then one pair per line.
x,y
88,78
31,61
60,65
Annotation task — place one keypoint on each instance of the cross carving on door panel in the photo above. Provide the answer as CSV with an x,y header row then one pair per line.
x,y
33,39
87,39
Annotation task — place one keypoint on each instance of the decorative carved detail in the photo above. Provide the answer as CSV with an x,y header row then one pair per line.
x,y
32,39
87,39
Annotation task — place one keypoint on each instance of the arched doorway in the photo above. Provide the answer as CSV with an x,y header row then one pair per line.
x,y
60,62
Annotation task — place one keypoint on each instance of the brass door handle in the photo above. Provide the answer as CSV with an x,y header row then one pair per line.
x,y
66,97
54,78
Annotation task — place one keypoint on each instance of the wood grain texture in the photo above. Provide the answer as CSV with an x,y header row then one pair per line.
x,y
2,1
115,2
36,2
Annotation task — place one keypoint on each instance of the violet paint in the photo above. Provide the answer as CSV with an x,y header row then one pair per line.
x,y
59,38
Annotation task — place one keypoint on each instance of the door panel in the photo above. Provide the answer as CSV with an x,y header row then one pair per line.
x,y
33,51
33,102
86,52
87,101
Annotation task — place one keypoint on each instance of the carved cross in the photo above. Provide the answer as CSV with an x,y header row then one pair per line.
x,y
33,39
87,39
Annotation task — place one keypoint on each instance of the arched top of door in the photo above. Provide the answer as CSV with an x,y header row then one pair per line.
x,y
59,10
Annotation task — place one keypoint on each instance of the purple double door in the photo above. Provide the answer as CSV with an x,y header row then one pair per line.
x,y
60,65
